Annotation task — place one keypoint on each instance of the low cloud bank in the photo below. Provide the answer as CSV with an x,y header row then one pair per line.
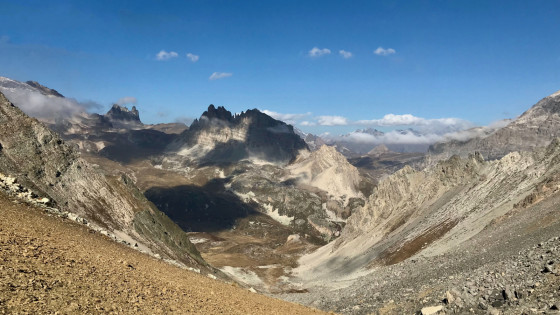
x,y
41,106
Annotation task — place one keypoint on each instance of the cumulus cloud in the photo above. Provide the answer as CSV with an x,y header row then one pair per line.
x,y
332,121
192,57
41,106
127,100
380,51
345,54
288,118
164,55
220,75
317,52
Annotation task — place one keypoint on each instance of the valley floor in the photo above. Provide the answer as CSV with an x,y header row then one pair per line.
x,y
48,265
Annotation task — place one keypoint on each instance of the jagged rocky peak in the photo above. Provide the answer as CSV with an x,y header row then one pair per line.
x,y
219,113
220,137
118,112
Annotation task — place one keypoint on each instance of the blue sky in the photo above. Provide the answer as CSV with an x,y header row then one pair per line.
x,y
479,61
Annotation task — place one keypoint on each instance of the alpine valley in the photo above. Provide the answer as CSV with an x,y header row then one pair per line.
x,y
454,226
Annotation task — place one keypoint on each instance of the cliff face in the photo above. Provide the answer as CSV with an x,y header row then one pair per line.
x,y
123,115
537,127
328,170
42,162
220,137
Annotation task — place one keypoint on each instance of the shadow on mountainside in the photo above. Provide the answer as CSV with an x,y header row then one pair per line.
x,y
265,138
132,145
209,208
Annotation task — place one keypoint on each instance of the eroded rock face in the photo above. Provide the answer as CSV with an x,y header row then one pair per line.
x,y
534,128
43,163
430,211
121,113
328,170
219,137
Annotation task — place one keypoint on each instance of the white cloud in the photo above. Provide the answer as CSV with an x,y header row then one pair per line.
x,y
332,121
392,138
307,123
41,106
288,118
220,75
437,126
127,100
345,54
393,120
164,55
477,132
384,52
317,52
193,57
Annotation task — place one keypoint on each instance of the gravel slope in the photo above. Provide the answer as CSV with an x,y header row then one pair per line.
x,y
511,267
48,265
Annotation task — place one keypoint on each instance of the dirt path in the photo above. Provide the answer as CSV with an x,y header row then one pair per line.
x,y
48,265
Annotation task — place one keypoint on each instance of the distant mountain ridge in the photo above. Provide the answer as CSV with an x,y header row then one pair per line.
x,y
536,127
9,84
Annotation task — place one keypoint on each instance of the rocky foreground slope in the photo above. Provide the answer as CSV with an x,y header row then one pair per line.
x,y
53,266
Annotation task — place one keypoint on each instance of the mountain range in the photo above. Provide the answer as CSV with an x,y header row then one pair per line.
x,y
470,226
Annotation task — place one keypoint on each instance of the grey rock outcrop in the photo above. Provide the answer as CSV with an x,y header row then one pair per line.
x,y
123,114
219,137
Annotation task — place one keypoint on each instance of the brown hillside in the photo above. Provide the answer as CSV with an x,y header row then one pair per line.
x,y
48,265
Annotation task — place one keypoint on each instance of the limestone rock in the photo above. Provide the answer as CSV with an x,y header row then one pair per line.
x,y
429,310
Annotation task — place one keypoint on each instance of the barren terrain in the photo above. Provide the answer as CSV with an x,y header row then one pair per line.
x,y
48,265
